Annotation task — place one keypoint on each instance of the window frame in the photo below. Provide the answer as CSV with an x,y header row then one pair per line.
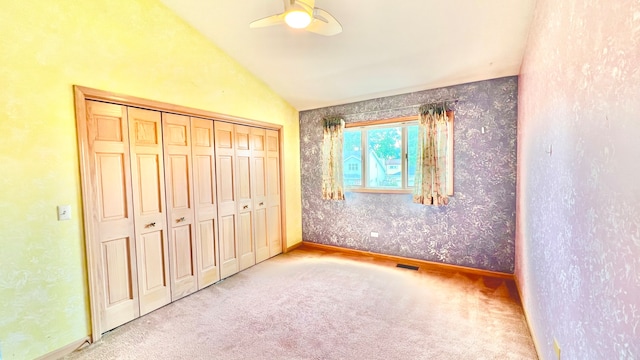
x,y
402,122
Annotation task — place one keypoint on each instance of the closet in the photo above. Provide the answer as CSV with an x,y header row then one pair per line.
x,y
172,204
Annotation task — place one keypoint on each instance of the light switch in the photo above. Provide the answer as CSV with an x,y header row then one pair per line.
x,y
64,212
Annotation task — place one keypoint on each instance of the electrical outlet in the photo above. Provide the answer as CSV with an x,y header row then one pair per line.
x,y
556,347
374,234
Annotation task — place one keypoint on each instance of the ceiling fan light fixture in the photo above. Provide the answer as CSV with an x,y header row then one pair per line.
x,y
297,19
301,14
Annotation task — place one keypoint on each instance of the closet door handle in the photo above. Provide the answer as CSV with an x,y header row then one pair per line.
x,y
149,225
261,203
180,219
245,207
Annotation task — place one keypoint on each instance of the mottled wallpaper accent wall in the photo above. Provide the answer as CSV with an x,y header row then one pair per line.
x,y
476,229
578,238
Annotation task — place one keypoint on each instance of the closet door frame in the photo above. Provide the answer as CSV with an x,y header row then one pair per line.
x,y
81,95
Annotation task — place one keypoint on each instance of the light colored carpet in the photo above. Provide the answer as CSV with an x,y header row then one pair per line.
x,y
305,306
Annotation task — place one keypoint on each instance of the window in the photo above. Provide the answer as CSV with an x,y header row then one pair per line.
x,y
388,163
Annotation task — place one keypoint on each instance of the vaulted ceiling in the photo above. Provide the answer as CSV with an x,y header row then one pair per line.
x,y
386,47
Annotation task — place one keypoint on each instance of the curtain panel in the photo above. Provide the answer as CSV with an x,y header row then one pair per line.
x,y
332,179
433,156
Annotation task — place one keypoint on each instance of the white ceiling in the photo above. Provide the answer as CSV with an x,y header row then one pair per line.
x,y
386,47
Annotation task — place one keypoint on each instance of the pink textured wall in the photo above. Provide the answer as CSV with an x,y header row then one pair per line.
x,y
578,208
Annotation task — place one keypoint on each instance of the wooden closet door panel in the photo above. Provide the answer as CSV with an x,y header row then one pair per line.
x,y
208,270
244,192
182,265
180,208
274,210
261,238
152,264
147,172
259,178
228,250
225,166
205,201
274,231
226,194
245,236
118,281
113,245
243,179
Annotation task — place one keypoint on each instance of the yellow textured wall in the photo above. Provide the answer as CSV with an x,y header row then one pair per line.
x,y
132,47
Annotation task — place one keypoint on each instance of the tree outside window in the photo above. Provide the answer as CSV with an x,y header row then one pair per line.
x,y
389,159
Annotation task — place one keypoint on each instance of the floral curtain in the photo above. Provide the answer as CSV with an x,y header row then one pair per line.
x,y
332,180
431,168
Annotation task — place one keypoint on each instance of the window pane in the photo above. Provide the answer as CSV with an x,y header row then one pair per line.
x,y
412,153
384,158
352,154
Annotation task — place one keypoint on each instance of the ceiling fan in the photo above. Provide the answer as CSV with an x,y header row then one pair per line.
x,y
301,14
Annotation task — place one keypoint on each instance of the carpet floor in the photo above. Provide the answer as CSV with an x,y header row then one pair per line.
x,y
310,305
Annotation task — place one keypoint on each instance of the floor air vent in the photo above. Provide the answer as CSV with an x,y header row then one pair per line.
x,y
405,266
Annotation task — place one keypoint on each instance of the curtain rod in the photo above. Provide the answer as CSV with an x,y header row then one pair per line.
x,y
455,101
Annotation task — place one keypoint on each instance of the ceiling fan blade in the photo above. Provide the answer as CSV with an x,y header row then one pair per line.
x,y
324,23
306,4
268,21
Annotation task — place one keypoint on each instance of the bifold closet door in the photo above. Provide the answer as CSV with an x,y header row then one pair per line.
x,y
147,172
112,220
244,193
206,208
274,210
180,208
225,185
259,178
